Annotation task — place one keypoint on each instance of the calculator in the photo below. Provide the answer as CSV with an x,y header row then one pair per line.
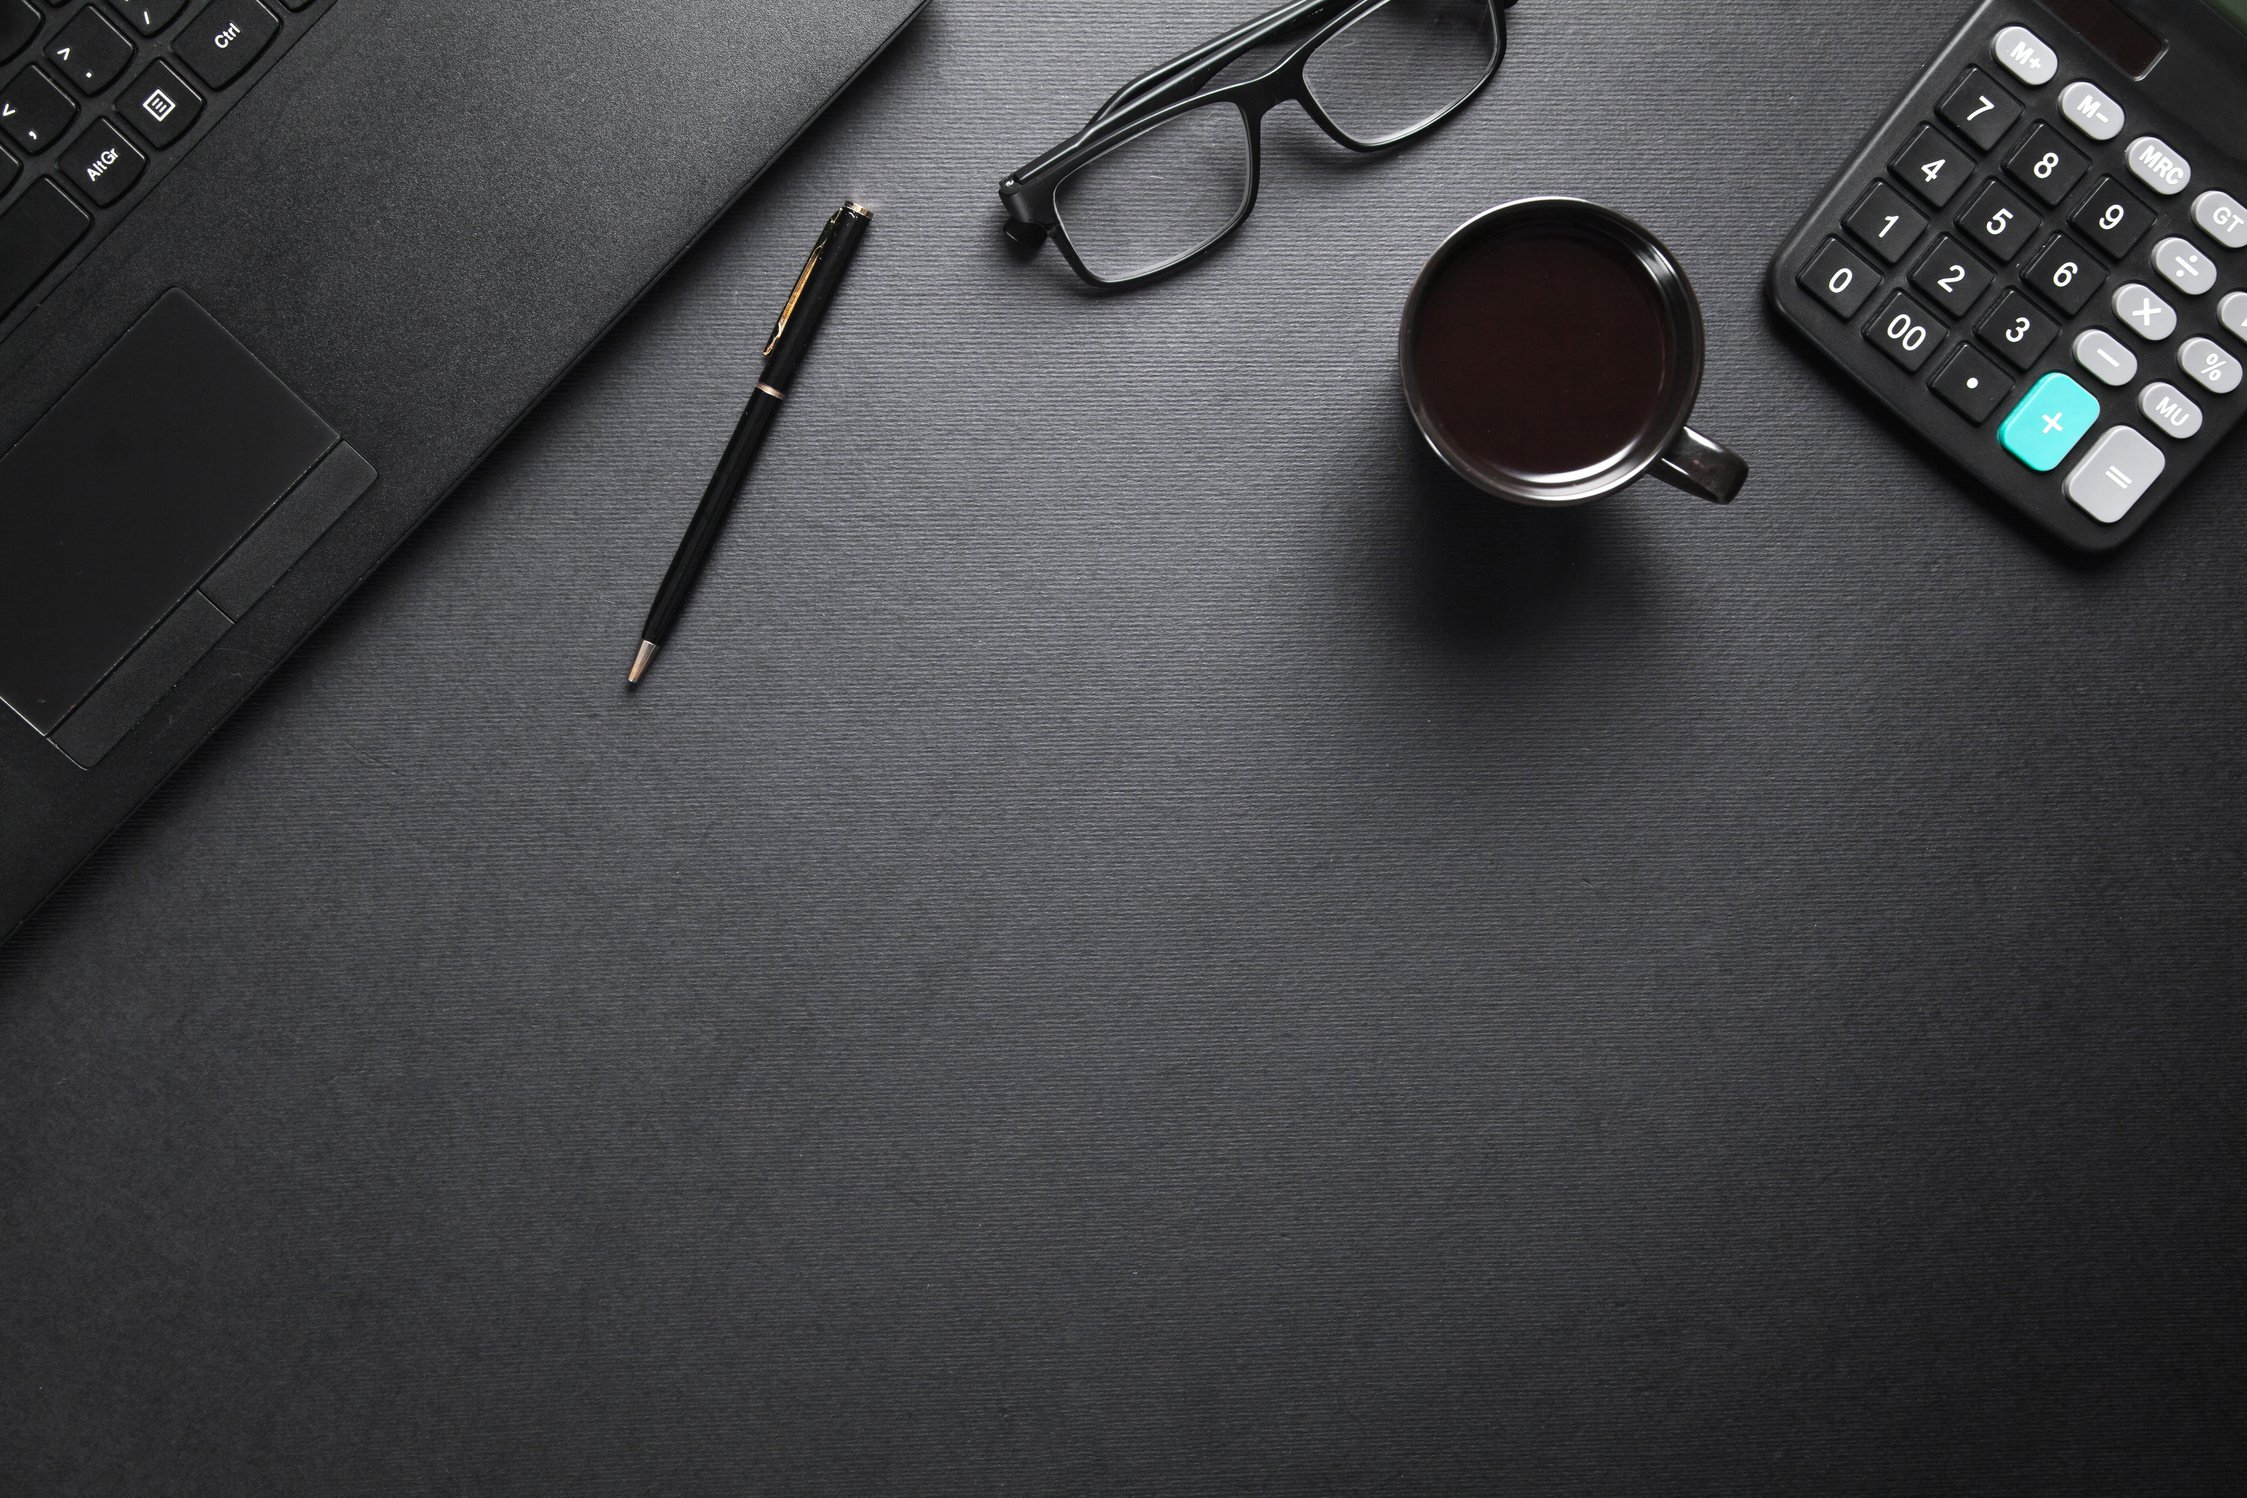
x,y
2038,260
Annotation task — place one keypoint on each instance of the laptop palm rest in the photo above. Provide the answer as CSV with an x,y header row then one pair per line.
x,y
161,496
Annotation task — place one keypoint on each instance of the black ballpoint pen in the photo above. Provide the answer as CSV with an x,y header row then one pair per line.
x,y
792,335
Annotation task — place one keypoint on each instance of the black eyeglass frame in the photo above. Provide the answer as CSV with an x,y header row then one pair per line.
x,y
1163,94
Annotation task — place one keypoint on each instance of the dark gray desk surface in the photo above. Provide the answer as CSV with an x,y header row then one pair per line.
x,y
1141,943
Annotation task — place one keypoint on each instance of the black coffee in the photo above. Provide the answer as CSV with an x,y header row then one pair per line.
x,y
1543,350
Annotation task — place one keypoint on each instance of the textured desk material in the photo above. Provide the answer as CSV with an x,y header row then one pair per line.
x,y
1140,941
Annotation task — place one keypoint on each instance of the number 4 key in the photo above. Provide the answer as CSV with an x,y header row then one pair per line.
x,y
1934,166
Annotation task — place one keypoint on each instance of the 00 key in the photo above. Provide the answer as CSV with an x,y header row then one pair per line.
x,y
1905,333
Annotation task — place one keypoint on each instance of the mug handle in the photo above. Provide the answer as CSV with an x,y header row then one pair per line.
x,y
1705,469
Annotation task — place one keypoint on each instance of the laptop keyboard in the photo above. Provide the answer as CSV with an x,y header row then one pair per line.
x,y
97,99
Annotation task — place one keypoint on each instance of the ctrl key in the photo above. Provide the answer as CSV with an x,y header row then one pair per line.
x,y
2108,484
37,231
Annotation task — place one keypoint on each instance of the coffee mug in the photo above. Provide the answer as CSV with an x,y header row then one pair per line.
x,y
1551,354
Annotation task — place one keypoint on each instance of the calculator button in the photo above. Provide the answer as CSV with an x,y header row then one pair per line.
x,y
2000,222
2159,167
2210,365
1972,385
1981,110
1952,279
1933,166
2112,219
2017,330
2051,419
2144,313
1840,279
2103,354
2184,267
2170,409
1887,223
2065,275
2047,166
2088,109
2026,57
1906,333
2221,216
2108,484
2234,314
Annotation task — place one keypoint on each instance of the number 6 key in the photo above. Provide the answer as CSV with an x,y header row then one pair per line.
x,y
2065,275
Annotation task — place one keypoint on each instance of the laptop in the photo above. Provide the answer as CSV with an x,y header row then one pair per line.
x,y
274,275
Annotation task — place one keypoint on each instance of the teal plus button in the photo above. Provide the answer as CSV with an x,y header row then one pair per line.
x,y
2045,427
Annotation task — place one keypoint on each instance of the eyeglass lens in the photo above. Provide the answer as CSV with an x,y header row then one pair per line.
x,y
1171,191
1399,68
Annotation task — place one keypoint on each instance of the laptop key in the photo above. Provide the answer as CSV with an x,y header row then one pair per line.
x,y
19,23
34,111
89,51
37,230
225,37
151,16
102,164
160,107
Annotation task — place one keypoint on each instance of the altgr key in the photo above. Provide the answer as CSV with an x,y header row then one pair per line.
x,y
102,164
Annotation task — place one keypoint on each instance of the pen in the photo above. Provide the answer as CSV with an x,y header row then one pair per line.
x,y
792,335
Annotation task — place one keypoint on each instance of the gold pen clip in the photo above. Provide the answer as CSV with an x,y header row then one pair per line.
x,y
818,253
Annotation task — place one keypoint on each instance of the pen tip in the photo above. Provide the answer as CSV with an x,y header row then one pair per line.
x,y
641,662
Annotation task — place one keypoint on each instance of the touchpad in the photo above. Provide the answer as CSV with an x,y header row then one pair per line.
x,y
129,492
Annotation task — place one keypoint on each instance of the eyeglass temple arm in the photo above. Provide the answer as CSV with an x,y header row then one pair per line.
x,y
1183,74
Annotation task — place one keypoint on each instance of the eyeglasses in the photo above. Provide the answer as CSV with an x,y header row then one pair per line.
x,y
1165,172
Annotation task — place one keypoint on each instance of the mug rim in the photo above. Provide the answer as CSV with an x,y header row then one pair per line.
x,y
1689,353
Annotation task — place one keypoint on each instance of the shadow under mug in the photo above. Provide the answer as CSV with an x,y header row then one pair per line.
x,y
1649,417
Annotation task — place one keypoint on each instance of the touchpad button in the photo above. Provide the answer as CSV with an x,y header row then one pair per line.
x,y
139,481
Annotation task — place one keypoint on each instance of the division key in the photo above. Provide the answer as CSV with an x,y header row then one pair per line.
x,y
35,232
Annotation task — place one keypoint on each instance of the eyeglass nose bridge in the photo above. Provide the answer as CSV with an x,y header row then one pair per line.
x,y
1031,196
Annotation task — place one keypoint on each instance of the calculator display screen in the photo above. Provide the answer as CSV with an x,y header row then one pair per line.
x,y
2121,38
